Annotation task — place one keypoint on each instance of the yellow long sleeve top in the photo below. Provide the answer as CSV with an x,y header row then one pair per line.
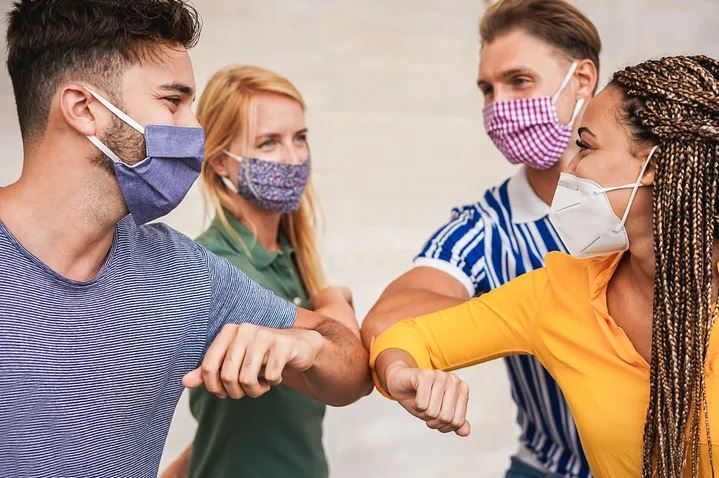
x,y
559,314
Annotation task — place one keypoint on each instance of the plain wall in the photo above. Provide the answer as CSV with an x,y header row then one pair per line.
x,y
397,140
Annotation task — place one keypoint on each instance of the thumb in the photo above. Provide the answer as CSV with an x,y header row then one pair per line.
x,y
192,379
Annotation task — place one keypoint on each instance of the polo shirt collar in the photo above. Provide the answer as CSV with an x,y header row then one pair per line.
x,y
260,257
526,206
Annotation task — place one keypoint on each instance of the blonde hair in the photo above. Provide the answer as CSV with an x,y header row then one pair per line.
x,y
226,109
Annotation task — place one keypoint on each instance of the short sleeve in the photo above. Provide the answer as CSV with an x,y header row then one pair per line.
x,y
236,299
457,248
496,324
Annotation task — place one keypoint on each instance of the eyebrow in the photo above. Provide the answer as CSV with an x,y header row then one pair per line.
x,y
583,130
180,88
275,135
507,74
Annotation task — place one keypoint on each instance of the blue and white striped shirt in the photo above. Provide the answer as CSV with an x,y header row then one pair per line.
x,y
90,371
485,245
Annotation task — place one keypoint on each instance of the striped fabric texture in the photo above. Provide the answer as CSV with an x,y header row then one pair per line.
x,y
484,247
90,371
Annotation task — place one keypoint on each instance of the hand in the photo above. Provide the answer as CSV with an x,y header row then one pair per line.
x,y
439,398
246,360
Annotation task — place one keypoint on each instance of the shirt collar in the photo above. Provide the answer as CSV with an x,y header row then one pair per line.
x,y
260,257
526,206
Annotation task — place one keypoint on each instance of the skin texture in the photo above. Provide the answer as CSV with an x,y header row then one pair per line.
x,y
281,135
514,66
70,228
609,157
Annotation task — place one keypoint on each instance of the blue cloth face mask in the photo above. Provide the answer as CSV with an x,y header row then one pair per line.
x,y
157,184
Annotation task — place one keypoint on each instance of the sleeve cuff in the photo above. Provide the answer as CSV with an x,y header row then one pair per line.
x,y
404,335
448,268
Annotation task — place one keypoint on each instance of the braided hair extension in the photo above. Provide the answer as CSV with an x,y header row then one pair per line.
x,y
674,103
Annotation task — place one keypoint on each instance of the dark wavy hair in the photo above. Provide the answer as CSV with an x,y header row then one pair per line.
x,y
50,41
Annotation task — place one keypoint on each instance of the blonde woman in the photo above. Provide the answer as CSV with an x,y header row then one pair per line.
x,y
257,179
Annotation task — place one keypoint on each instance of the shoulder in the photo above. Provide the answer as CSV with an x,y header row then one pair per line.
x,y
159,244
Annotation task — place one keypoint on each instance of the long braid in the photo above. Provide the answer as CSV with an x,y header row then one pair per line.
x,y
674,102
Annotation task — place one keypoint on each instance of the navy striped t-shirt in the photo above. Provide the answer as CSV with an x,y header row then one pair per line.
x,y
485,245
90,371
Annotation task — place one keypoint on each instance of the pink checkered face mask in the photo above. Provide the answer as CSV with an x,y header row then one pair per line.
x,y
528,131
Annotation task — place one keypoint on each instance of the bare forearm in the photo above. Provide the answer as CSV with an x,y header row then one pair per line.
x,y
340,374
396,305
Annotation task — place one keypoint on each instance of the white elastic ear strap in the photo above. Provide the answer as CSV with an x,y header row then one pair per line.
x,y
101,146
117,112
565,81
233,156
637,184
228,184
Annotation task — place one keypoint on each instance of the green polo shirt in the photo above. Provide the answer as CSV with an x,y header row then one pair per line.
x,y
278,435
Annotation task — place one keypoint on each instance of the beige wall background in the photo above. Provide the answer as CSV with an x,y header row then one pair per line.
x,y
397,137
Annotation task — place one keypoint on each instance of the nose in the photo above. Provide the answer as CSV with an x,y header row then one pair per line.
x,y
189,119
294,154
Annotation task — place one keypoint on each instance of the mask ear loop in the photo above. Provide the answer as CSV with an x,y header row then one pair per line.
x,y
565,82
245,169
637,184
117,112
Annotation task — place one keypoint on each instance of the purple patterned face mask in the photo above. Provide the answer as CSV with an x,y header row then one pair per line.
x,y
271,185
528,131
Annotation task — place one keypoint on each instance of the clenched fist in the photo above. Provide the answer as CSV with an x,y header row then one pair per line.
x,y
439,398
246,360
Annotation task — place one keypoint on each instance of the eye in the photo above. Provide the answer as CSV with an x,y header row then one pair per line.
x,y
267,144
582,145
520,81
175,100
301,138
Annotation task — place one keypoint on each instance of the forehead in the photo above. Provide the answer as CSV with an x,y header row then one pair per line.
x,y
518,49
278,112
603,117
164,65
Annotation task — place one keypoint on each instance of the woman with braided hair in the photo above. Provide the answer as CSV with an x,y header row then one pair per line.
x,y
624,323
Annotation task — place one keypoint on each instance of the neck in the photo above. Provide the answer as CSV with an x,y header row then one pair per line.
x,y
264,224
63,211
544,183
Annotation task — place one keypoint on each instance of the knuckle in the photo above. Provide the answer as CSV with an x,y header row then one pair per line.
x,y
227,378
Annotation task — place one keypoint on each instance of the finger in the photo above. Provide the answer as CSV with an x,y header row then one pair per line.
x,y
231,366
439,387
275,366
422,382
215,355
192,379
251,365
460,414
464,430
443,422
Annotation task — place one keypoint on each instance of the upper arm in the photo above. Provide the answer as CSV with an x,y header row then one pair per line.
x,y
458,249
235,299
497,324
430,279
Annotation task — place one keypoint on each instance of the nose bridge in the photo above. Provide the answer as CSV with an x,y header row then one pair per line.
x,y
189,118
292,153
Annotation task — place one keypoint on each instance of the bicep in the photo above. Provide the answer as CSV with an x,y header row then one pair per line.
x,y
428,279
